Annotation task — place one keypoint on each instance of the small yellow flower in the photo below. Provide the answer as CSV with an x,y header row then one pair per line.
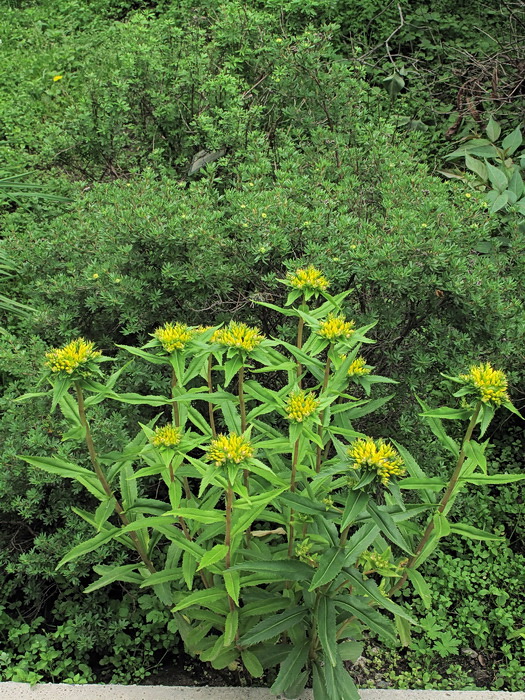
x,y
377,455
238,335
336,328
251,184
278,40
174,336
301,405
71,357
424,225
308,279
56,78
490,384
95,276
167,436
118,280
359,368
264,215
230,448
467,194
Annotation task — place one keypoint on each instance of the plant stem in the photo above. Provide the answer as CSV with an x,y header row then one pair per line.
x,y
444,501
300,329
242,408
103,480
291,532
176,422
210,405
321,415
227,538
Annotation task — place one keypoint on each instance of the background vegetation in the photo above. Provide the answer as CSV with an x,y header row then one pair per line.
x,y
169,161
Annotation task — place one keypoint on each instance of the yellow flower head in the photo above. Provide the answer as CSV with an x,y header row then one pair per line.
x,y
308,279
489,383
167,436
230,448
56,78
336,328
174,336
359,368
238,335
75,355
377,455
301,405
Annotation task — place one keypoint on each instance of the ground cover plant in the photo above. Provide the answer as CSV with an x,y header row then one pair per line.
x,y
276,545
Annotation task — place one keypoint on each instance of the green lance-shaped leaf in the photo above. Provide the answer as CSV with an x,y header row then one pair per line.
x,y
326,628
89,545
110,574
360,540
358,607
420,586
204,598
474,533
232,582
189,567
231,626
165,576
386,524
344,683
290,668
273,626
330,565
55,465
355,502
288,569
215,554
492,479
368,588
252,663
439,431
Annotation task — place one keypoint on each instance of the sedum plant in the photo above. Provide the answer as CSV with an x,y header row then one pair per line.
x,y
285,533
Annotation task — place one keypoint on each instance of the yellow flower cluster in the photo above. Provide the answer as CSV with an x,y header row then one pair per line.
x,y
378,455
358,368
230,448
308,278
238,335
301,405
72,356
490,383
167,436
174,336
336,328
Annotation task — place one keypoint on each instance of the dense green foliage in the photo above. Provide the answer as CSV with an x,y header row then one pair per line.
x,y
317,158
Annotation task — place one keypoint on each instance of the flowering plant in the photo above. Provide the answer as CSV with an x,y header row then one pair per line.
x,y
284,536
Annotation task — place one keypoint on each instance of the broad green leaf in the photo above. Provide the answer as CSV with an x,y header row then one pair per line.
x,y
474,533
303,505
387,526
326,628
273,626
264,607
199,515
252,663
500,202
215,554
476,166
149,357
370,406
403,628
497,177
189,567
204,598
448,413
290,668
493,129
441,525
512,141
104,511
330,564
138,399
